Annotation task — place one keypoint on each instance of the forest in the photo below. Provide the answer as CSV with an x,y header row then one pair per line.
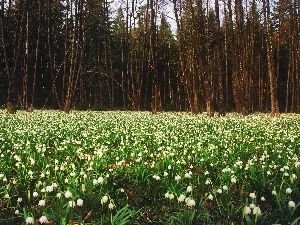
x,y
224,56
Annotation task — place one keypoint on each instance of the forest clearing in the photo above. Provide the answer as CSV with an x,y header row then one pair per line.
x,y
121,167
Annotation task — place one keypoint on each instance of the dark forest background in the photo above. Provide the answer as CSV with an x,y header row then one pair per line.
x,y
229,55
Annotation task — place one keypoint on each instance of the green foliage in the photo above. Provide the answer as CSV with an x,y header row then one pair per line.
x,y
137,168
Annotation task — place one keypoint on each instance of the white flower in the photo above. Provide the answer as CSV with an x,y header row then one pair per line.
x,y
156,177
263,199
35,194
104,199
167,195
252,195
79,202
233,180
6,196
210,197
169,167
292,204
190,202
274,192
256,211
225,188
111,205
17,212
207,182
58,195
189,188
252,206
29,220
247,210
166,174
288,190
19,200
42,203
95,182
68,194
49,188
43,219
219,191
177,177
187,175
181,198
171,196
100,180
72,204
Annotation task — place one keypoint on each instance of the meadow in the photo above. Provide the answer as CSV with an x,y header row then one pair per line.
x,y
138,168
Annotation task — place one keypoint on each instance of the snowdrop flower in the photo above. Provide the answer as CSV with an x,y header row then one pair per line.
x,y
6,196
68,194
219,191
225,188
35,194
233,180
252,195
187,175
181,198
171,196
190,202
42,203
256,211
210,197
292,204
95,182
43,219
189,188
177,177
156,177
100,180
58,195
17,212
207,182
263,199
288,190
111,205
49,188
247,210
169,167
29,220
166,174
72,204
104,199
274,192
79,202
19,200
252,206
167,195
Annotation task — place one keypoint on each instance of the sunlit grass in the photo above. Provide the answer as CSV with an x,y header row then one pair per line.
x,y
139,168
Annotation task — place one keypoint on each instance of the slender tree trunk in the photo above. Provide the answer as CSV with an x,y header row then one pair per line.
x,y
270,60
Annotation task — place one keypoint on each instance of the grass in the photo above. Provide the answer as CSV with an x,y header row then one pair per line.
x,y
138,168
